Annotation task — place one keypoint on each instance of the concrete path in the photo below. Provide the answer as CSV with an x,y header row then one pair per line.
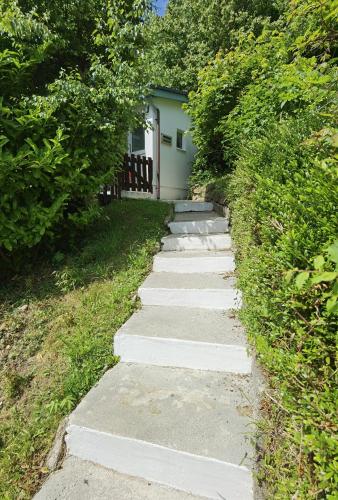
x,y
175,418
82,480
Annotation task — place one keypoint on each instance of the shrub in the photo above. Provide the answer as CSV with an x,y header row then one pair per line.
x,y
70,81
265,112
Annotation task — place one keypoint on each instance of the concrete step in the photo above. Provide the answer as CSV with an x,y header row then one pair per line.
x,y
182,242
198,223
210,291
82,480
193,206
194,262
187,429
196,216
186,338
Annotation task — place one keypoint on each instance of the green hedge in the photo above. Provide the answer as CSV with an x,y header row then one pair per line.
x,y
284,206
70,86
269,107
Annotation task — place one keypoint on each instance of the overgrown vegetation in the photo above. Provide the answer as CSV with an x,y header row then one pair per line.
x,y
264,107
265,119
192,32
70,85
57,322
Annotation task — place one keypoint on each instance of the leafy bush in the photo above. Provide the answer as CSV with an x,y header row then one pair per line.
x,y
265,112
70,84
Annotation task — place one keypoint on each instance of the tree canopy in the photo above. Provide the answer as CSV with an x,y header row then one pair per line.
x,y
192,32
70,82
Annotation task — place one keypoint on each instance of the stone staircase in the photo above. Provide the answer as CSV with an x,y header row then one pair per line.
x,y
174,419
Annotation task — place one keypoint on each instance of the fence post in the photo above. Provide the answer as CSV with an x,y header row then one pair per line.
x,y
138,171
144,174
150,175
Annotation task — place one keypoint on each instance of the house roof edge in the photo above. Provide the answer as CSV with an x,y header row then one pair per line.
x,y
168,93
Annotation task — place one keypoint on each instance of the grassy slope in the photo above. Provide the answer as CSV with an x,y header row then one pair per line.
x,y
55,350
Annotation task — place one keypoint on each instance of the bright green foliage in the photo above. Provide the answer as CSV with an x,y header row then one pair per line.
x,y
70,83
192,31
265,115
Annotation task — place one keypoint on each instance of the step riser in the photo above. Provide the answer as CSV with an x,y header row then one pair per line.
x,y
194,265
211,242
182,354
199,227
199,475
208,299
187,206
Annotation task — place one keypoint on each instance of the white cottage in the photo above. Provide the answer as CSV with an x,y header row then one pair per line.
x,y
167,141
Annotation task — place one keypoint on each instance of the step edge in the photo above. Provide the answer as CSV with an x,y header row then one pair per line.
x,y
175,353
236,347
174,268
218,220
161,255
162,289
78,446
142,441
193,235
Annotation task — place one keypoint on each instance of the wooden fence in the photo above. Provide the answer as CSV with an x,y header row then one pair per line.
x,y
136,175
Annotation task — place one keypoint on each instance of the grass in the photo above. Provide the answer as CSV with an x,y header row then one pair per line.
x,y
56,328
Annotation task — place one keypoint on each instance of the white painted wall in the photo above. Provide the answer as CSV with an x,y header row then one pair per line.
x,y
175,165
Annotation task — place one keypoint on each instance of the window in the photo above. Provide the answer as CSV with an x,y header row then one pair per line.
x,y
138,140
179,139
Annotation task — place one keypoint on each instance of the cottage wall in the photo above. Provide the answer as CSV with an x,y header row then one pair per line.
x,y
176,164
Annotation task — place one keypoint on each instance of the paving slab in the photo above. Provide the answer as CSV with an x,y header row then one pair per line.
x,y
199,225
210,291
197,216
196,281
182,242
195,324
193,206
188,429
195,262
82,480
176,337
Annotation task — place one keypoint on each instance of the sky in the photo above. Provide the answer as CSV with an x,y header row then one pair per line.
x,y
161,5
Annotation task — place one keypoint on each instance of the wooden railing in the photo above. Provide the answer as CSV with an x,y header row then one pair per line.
x,y
136,175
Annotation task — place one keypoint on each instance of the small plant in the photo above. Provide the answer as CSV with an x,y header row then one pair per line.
x,y
321,277
15,383
67,279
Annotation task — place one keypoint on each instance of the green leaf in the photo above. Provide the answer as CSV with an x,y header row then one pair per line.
x,y
332,305
301,279
289,275
319,262
325,276
3,140
332,252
